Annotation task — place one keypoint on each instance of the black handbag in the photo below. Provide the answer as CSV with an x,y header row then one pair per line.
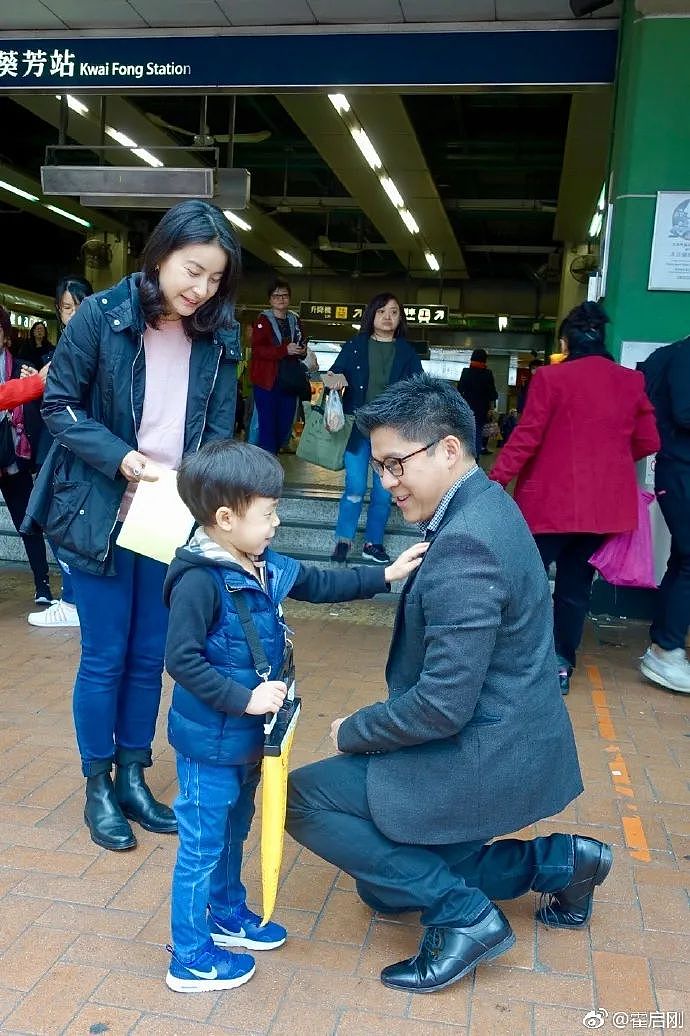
x,y
293,378
7,454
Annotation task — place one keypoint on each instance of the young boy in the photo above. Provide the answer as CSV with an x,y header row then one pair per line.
x,y
219,701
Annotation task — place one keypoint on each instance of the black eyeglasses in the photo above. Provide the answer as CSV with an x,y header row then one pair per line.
x,y
394,465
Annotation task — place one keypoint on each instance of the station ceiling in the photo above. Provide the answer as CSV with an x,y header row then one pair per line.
x,y
485,172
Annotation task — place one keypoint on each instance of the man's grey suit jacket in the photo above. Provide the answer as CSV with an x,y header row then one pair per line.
x,y
474,740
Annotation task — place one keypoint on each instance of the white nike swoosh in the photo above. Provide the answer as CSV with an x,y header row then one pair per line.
x,y
213,973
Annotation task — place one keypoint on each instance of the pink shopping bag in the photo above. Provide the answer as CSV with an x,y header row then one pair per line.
x,y
627,558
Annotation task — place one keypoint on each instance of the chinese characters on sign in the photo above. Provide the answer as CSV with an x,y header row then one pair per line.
x,y
664,1020
353,313
20,64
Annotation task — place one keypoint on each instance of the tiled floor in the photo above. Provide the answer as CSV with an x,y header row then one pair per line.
x,y
82,931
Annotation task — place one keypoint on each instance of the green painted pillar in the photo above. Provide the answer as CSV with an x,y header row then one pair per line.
x,y
650,152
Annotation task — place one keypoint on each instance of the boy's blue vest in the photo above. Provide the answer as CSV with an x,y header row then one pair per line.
x,y
202,733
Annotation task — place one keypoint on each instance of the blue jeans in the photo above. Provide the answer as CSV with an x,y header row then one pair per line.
x,y
67,594
357,457
328,812
118,687
214,810
276,411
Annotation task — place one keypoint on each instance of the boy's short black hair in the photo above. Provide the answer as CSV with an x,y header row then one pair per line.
x,y
230,474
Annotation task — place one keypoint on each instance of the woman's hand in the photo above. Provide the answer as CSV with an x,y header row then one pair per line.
x,y
27,371
334,381
134,467
267,697
407,562
295,349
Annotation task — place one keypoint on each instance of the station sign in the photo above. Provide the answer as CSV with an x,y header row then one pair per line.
x,y
274,58
352,313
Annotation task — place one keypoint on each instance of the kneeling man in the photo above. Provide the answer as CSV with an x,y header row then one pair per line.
x,y
473,740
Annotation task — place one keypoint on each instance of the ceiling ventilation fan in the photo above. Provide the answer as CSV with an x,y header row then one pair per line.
x,y
207,139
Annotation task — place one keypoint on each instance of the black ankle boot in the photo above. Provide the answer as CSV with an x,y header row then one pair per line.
x,y
137,802
103,816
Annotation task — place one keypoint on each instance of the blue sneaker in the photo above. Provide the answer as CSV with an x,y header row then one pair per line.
x,y
241,927
212,969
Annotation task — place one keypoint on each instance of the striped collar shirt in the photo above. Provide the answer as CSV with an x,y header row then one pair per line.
x,y
431,527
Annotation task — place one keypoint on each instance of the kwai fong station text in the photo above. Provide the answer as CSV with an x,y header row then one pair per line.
x,y
128,71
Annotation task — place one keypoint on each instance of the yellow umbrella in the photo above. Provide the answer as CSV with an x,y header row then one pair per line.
x,y
279,735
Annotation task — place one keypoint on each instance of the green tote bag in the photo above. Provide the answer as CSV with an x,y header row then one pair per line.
x,y
319,446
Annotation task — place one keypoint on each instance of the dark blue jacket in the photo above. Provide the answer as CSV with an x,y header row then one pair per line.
x,y
353,362
93,406
209,658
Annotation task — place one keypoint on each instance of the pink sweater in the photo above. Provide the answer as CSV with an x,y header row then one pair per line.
x,y
161,432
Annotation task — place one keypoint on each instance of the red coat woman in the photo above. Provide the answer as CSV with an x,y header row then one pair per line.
x,y
586,422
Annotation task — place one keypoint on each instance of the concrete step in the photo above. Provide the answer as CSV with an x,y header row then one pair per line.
x,y
297,538
320,506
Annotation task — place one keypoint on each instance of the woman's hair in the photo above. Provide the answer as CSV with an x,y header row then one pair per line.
x,y
78,287
377,303
33,344
276,284
479,356
191,222
226,473
6,325
583,330
420,409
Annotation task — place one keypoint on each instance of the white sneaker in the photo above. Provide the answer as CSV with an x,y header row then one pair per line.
x,y
671,669
60,613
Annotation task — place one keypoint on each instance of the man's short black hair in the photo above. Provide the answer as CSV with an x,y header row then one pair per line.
x,y
230,474
421,409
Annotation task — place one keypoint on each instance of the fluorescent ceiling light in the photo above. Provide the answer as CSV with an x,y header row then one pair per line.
x,y
502,323
121,138
339,102
242,224
366,147
17,190
288,258
602,198
357,327
596,224
147,157
392,192
432,261
69,215
410,222
74,104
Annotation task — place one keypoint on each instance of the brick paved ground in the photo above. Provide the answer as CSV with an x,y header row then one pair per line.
x,y
82,931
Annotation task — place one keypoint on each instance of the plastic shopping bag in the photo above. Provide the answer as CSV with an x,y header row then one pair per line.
x,y
627,558
333,413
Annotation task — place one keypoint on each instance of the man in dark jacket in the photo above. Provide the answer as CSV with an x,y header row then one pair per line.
x,y
477,388
667,379
473,741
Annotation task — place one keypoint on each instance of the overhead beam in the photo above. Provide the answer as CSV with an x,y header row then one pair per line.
x,y
585,161
387,124
266,234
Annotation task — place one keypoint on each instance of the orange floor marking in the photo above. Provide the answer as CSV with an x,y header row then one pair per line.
x,y
635,838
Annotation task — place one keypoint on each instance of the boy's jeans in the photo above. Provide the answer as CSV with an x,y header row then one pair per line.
x,y
357,458
214,810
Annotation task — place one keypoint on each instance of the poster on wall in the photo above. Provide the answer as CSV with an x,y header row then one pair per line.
x,y
669,265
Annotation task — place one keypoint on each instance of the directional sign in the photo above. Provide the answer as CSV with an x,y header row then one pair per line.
x,y
349,312
435,315
352,313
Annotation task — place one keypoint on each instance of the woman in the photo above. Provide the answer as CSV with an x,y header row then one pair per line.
x,y
367,364
69,295
39,349
585,423
276,336
143,374
17,453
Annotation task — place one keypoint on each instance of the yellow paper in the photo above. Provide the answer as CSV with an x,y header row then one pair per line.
x,y
157,522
